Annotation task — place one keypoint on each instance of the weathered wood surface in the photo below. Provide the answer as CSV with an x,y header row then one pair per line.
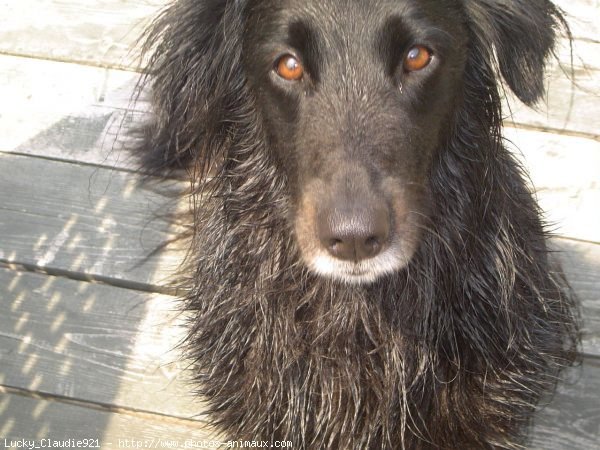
x,y
581,262
572,420
30,418
94,343
98,32
565,173
67,111
82,219
582,16
572,101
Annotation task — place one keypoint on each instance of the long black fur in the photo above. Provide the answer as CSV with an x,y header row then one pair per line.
x,y
453,351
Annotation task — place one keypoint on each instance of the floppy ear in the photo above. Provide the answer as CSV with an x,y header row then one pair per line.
x,y
522,33
194,75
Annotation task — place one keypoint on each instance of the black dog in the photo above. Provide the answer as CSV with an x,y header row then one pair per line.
x,y
368,269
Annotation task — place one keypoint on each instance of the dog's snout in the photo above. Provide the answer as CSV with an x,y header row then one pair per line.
x,y
354,235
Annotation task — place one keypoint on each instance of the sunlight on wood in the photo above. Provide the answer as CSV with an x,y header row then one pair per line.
x,y
54,300
57,242
25,342
36,382
101,205
75,242
30,363
129,188
61,346
66,368
78,262
4,402
7,427
567,182
89,303
57,322
43,431
22,321
47,285
41,241
17,302
14,282
39,409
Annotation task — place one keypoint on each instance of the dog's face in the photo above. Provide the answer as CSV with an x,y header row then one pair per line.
x,y
356,98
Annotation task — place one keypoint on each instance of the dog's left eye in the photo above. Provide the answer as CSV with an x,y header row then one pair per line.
x,y
417,58
289,68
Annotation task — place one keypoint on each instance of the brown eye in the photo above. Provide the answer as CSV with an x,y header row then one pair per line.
x,y
417,58
289,68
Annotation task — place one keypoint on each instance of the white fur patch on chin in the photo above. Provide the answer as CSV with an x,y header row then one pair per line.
x,y
363,272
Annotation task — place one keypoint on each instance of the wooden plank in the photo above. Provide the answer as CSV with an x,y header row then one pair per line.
x,y
571,104
581,263
565,171
99,136
98,222
582,16
67,111
35,419
572,419
33,84
99,32
94,343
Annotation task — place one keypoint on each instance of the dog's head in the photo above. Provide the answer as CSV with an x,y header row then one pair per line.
x,y
357,100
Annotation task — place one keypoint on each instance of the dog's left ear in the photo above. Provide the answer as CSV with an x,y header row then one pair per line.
x,y
522,33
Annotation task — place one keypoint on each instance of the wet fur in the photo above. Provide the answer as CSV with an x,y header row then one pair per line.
x,y
454,351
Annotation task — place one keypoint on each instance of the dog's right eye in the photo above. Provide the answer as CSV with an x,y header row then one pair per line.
x,y
289,68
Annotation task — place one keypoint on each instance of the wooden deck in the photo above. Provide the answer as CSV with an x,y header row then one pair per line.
x,y
87,342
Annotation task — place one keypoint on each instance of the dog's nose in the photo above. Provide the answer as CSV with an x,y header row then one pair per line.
x,y
354,235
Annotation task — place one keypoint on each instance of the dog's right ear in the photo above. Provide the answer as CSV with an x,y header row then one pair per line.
x,y
522,34
195,80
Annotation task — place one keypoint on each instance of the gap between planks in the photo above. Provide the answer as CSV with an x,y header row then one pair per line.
x,y
104,407
134,68
18,266
552,130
